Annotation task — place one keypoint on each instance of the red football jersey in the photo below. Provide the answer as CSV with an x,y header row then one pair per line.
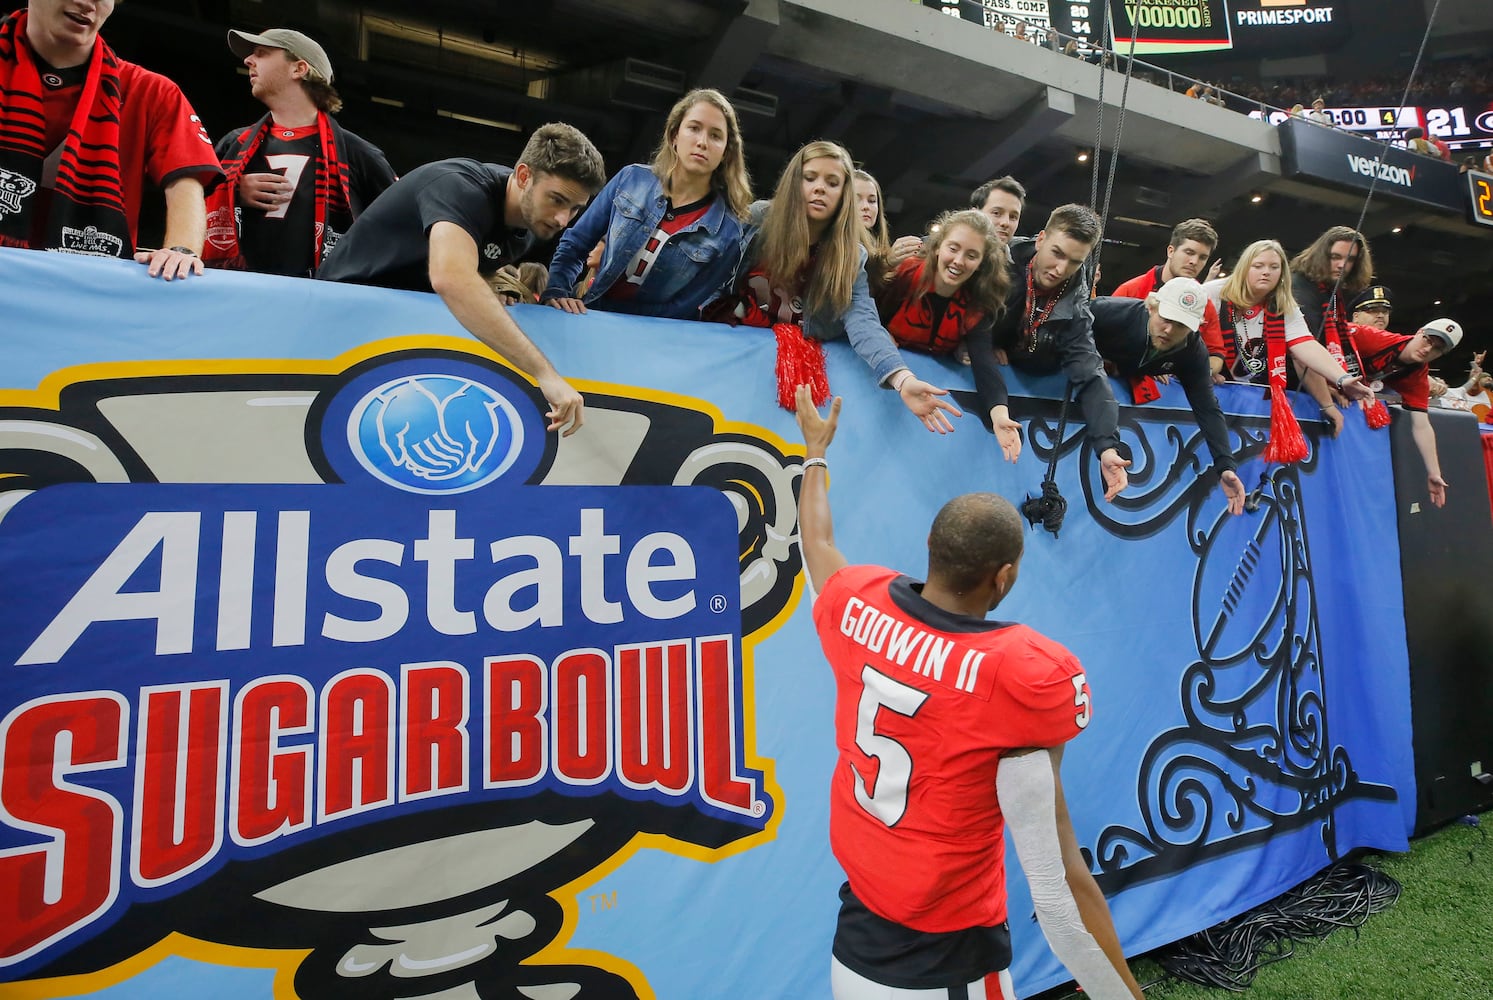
x,y
1379,351
926,704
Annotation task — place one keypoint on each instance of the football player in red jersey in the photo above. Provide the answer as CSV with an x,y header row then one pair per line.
x,y
950,727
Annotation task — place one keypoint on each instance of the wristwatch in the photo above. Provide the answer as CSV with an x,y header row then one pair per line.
x,y
1345,376
186,250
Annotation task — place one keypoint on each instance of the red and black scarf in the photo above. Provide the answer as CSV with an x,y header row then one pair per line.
x,y
333,184
87,213
1286,442
1335,331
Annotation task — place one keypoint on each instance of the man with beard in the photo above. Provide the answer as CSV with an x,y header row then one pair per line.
x,y
1158,335
445,226
1325,277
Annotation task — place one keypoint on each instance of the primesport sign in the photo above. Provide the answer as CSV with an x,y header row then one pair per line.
x,y
1341,158
1290,25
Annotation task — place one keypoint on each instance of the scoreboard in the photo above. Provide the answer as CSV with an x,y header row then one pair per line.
x,y
1480,194
1465,126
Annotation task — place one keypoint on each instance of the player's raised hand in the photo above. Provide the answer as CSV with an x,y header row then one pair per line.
x,y
818,431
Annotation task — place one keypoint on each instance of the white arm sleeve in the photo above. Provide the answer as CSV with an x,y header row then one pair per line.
x,y
1028,800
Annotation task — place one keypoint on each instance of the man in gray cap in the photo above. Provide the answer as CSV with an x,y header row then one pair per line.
x,y
296,179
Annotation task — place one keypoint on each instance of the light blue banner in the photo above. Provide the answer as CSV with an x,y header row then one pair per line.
x,y
368,687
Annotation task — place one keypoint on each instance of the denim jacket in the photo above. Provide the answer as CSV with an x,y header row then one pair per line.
x,y
860,323
689,269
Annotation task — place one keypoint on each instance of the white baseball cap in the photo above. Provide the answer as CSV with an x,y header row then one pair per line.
x,y
1182,300
1448,330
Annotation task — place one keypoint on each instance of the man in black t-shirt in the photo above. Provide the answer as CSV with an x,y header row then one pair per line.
x,y
1158,335
446,225
296,179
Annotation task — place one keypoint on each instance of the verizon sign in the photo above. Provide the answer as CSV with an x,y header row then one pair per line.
x,y
1403,176
1343,159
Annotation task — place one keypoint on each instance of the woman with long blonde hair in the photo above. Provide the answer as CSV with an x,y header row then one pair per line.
x,y
1261,326
804,269
672,229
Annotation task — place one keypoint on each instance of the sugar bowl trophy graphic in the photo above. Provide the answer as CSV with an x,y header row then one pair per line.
x,y
379,677
1253,756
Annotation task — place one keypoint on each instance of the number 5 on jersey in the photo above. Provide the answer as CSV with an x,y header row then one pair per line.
x,y
887,801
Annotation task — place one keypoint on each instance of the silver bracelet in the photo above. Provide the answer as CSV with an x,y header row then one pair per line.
x,y
809,463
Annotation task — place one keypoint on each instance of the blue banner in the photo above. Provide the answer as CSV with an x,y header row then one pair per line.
x,y
329,672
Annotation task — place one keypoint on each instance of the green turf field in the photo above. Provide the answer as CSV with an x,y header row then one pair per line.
x,y
1435,943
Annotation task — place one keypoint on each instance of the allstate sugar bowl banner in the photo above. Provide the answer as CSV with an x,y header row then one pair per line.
x,y
328,672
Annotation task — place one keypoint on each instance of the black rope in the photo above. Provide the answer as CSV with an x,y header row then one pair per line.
x,y
1363,213
1099,107
1050,507
1229,955
1114,151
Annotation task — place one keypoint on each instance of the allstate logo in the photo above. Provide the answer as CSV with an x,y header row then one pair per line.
x,y
435,433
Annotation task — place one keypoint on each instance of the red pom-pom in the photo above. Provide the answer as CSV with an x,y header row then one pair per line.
x,y
1286,443
1377,415
800,362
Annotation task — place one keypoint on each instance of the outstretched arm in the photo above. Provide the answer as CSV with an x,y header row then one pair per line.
x,y
816,530
1425,443
454,277
990,387
1080,359
1318,359
1070,907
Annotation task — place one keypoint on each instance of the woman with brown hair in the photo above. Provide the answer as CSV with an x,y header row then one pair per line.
x,y
936,301
804,276
673,229
878,240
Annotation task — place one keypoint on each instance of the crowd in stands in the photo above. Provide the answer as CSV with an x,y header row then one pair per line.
x,y
680,237
1434,83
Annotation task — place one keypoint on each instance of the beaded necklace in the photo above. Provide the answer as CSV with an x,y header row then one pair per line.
x,y
1036,317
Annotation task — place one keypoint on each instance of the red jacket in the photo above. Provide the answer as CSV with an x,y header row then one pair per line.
x,y
1144,284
